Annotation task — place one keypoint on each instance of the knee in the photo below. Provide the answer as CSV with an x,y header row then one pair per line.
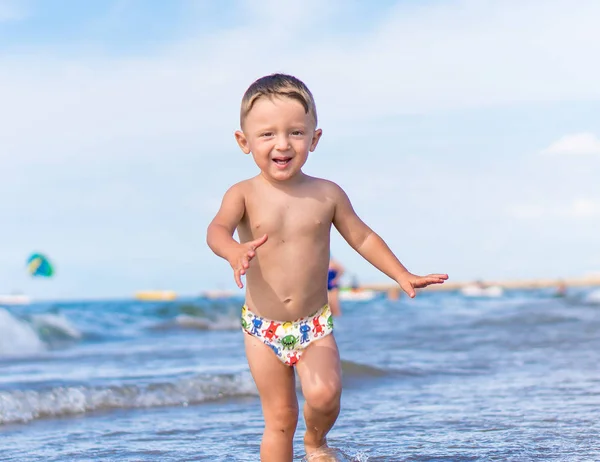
x,y
282,419
324,397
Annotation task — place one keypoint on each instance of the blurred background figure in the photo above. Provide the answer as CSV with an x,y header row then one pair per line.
x,y
561,290
336,270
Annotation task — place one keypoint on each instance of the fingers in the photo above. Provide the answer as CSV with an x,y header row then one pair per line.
x,y
438,276
256,243
244,263
428,280
238,278
240,269
253,245
408,288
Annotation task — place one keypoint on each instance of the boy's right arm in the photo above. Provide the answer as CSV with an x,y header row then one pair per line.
x,y
219,235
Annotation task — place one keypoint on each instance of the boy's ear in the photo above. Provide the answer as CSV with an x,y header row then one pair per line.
x,y
242,141
315,139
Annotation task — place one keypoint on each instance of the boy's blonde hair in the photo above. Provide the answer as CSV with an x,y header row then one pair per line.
x,y
278,85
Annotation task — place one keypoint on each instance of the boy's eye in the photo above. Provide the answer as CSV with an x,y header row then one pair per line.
x,y
297,133
267,134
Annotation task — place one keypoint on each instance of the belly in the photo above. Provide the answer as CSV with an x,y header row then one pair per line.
x,y
288,281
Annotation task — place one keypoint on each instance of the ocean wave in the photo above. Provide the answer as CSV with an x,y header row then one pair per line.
x,y
22,336
22,406
17,337
352,369
593,298
526,319
53,323
54,327
199,309
185,321
199,315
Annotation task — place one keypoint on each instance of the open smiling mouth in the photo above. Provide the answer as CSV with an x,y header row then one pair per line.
x,y
282,160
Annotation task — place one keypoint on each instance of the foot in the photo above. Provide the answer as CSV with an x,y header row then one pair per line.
x,y
317,450
322,454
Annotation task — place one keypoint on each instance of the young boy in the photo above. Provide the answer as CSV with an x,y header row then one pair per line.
x,y
283,218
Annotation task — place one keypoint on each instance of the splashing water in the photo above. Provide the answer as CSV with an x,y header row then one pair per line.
x,y
17,337
334,455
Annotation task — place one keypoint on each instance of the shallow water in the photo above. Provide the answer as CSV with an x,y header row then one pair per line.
x,y
441,377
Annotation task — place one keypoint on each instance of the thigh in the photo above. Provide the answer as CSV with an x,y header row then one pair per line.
x,y
320,368
275,381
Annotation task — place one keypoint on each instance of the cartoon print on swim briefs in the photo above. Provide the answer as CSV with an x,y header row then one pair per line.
x,y
257,323
304,330
276,350
288,339
245,324
292,359
318,328
289,342
270,332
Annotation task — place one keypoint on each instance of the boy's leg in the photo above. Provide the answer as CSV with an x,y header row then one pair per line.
x,y
320,374
276,386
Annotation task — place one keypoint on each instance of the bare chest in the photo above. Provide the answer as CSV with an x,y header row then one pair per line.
x,y
288,219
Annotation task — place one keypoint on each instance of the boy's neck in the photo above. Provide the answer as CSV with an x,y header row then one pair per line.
x,y
292,182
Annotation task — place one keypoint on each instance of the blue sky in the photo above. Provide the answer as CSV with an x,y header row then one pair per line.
x,y
467,133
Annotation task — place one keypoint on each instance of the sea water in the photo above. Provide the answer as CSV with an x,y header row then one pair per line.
x,y
442,377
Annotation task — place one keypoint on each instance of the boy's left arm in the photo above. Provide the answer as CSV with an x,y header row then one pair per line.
x,y
373,249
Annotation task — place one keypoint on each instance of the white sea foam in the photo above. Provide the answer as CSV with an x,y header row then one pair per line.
x,y
20,406
334,455
593,297
33,334
17,337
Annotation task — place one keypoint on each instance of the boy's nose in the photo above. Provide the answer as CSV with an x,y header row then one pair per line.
x,y
282,143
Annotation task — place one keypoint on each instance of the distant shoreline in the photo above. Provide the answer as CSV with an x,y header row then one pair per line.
x,y
391,289
505,284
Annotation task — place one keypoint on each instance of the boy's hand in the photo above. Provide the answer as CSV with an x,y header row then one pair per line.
x,y
241,262
409,282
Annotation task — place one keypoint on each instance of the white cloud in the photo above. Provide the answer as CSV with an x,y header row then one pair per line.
x,y
418,59
583,208
121,146
429,58
576,144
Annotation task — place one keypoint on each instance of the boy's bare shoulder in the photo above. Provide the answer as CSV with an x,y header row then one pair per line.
x,y
327,186
242,187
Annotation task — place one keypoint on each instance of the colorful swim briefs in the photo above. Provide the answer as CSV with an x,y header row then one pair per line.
x,y
288,339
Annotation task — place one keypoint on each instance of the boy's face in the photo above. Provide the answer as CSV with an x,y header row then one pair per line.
x,y
279,134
